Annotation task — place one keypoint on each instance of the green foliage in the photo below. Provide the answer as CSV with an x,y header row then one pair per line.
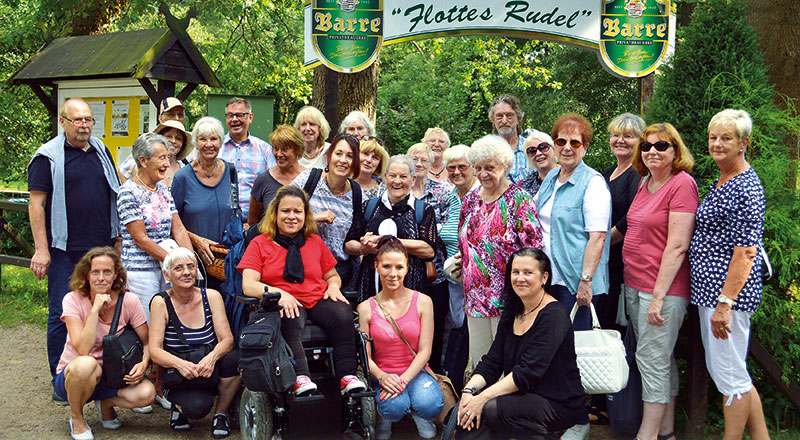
x,y
23,299
718,65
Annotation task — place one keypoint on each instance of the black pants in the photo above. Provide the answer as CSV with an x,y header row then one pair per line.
x,y
336,318
440,295
522,416
196,402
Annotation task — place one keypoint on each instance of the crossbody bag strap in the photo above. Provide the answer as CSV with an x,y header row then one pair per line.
x,y
234,187
173,317
400,333
117,311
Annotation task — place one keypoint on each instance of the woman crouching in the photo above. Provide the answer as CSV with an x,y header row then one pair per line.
x,y
96,283
188,319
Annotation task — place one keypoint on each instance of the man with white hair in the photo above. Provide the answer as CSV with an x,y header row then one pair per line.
x,y
506,115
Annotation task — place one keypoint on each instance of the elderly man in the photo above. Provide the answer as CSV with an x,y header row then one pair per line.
x,y
171,109
73,207
249,154
506,116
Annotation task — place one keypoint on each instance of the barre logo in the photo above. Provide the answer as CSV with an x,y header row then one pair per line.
x,y
634,35
347,34
347,5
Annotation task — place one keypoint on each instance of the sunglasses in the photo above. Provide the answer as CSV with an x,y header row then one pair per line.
x,y
368,137
660,146
543,147
574,143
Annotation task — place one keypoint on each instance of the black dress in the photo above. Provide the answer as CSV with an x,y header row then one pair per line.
x,y
623,190
403,215
543,365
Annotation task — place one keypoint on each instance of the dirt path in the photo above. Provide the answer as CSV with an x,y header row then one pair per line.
x,y
27,411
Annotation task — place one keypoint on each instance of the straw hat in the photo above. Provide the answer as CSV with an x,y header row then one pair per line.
x,y
188,146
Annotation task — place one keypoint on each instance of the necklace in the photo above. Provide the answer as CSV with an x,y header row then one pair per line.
x,y
153,189
523,315
208,175
435,174
334,191
316,153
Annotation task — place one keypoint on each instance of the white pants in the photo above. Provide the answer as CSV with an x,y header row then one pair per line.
x,y
482,332
726,359
146,284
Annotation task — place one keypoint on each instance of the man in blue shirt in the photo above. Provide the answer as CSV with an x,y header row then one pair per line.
x,y
506,116
73,207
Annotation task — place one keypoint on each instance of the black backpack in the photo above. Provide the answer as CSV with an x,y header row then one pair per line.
x,y
265,359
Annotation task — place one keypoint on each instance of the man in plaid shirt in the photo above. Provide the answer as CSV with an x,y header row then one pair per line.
x,y
506,116
251,155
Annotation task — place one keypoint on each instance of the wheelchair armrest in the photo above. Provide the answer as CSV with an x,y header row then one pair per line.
x,y
246,300
351,296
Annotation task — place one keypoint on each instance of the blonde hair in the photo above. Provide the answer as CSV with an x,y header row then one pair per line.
x,y
740,120
684,161
269,225
437,130
317,118
372,146
288,136
421,147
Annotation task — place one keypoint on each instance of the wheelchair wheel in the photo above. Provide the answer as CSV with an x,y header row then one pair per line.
x,y
369,411
255,416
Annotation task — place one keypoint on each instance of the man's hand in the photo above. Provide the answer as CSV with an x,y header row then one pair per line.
x,y
40,262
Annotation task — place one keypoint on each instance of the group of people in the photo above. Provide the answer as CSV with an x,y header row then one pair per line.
x,y
501,238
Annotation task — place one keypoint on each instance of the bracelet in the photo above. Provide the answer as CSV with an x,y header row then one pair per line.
x,y
469,390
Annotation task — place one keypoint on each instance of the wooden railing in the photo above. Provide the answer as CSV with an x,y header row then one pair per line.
x,y
15,236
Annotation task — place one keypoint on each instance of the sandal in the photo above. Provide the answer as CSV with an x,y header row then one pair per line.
x,y
220,428
178,422
597,417
667,436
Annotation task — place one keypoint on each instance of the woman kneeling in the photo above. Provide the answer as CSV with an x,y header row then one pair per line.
x,y
96,283
402,347
290,258
190,337
541,391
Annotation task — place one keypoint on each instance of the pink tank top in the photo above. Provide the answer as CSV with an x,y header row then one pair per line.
x,y
388,350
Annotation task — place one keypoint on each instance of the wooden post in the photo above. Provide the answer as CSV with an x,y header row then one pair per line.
x,y
696,399
331,103
646,84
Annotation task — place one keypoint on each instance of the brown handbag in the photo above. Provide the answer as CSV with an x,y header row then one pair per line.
x,y
449,395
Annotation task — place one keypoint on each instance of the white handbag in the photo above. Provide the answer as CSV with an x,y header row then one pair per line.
x,y
601,357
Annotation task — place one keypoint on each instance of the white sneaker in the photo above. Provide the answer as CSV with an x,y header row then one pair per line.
x,y
143,410
425,428
163,402
577,432
85,435
383,428
108,424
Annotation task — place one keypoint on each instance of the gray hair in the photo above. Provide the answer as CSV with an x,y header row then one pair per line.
x,y
143,146
740,120
512,101
238,100
175,255
627,123
534,134
421,147
403,159
207,125
491,148
437,130
456,152
354,116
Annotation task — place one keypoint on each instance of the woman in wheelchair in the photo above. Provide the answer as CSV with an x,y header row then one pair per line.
x,y
402,384
190,337
541,393
290,258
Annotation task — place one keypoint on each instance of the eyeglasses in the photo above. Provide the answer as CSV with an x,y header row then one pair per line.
x,y
419,159
180,267
369,137
236,115
81,121
461,168
543,147
660,146
574,143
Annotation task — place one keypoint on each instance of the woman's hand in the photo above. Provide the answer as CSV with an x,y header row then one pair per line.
x,y
720,321
654,312
386,395
291,306
369,243
326,216
187,369
470,410
202,245
335,294
136,374
584,295
392,383
100,300
457,265
206,365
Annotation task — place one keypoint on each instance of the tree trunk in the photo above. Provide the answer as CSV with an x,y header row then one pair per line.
x,y
353,91
93,17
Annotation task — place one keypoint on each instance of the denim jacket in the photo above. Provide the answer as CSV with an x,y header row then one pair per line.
x,y
567,235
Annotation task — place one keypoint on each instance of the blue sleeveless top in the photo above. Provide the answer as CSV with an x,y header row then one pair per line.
x,y
194,336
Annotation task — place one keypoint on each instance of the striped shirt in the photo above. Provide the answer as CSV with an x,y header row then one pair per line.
x,y
519,168
323,199
251,158
155,209
194,336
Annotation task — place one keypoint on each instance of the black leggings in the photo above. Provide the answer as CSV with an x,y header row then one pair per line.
x,y
440,296
522,415
196,402
336,318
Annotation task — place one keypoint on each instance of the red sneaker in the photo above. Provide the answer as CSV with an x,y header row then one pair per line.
x,y
303,385
351,384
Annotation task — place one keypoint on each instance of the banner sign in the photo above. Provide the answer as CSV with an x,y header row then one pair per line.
x,y
346,35
635,35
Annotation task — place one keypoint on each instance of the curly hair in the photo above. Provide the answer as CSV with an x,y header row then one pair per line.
x,y
79,281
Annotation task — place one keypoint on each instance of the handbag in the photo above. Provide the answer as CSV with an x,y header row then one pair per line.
x,y
232,234
120,353
601,357
172,378
449,395
625,407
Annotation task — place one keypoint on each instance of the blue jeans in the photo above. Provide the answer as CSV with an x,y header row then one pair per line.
x,y
422,395
583,317
58,273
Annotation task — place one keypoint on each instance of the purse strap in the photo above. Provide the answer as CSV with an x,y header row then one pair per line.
x,y
400,334
173,317
117,311
234,187
595,320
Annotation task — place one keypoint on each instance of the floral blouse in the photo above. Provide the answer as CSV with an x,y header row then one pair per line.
x,y
437,195
489,234
731,215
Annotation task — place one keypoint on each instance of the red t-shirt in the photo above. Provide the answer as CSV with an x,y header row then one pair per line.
x,y
646,237
269,259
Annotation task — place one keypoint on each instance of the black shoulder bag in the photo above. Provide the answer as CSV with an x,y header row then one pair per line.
x,y
120,353
172,378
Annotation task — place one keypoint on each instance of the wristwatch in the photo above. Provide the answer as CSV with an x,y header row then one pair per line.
x,y
586,277
725,300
